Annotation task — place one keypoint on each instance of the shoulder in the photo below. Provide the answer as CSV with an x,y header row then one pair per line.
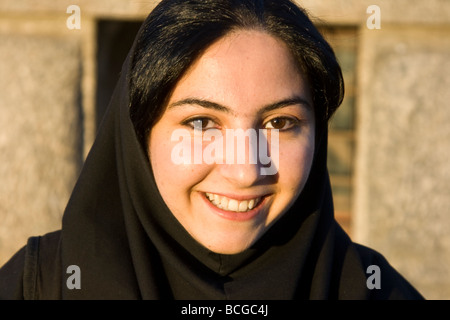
x,y
383,280
11,277
366,274
34,271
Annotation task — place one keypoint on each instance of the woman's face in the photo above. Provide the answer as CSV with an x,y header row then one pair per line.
x,y
234,146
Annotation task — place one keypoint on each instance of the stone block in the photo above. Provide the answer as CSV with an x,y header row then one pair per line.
x,y
402,185
41,136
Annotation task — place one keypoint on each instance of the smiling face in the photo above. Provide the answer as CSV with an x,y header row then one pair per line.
x,y
247,80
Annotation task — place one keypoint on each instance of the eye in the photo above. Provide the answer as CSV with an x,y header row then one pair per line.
x,y
200,123
281,123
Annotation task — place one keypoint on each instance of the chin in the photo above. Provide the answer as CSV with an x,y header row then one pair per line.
x,y
229,249
222,245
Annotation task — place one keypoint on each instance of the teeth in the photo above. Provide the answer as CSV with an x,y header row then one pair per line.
x,y
232,205
228,204
243,206
224,203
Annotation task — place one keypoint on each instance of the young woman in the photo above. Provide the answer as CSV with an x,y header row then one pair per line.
x,y
169,207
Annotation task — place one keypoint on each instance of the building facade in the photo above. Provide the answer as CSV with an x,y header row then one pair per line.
x,y
389,142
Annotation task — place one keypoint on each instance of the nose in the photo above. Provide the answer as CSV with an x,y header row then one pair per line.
x,y
241,175
241,164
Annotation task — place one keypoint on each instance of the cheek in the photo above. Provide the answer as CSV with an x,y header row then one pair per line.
x,y
171,176
295,165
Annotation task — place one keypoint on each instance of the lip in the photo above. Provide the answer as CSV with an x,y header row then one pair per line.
x,y
238,197
236,216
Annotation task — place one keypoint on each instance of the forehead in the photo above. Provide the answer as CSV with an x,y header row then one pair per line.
x,y
243,69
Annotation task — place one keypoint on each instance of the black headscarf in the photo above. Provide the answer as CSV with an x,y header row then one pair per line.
x,y
128,245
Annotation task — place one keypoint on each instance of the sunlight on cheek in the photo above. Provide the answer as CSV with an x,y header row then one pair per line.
x,y
295,163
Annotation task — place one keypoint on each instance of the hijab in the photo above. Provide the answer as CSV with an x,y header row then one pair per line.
x,y
128,245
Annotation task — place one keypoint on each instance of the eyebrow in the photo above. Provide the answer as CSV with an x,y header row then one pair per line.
x,y
202,103
218,107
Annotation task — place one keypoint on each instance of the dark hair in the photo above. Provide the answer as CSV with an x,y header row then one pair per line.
x,y
177,32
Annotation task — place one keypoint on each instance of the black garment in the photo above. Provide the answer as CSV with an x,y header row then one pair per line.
x,y
128,245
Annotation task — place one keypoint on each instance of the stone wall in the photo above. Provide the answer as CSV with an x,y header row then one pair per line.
x,y
401,203
403,173
41,129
